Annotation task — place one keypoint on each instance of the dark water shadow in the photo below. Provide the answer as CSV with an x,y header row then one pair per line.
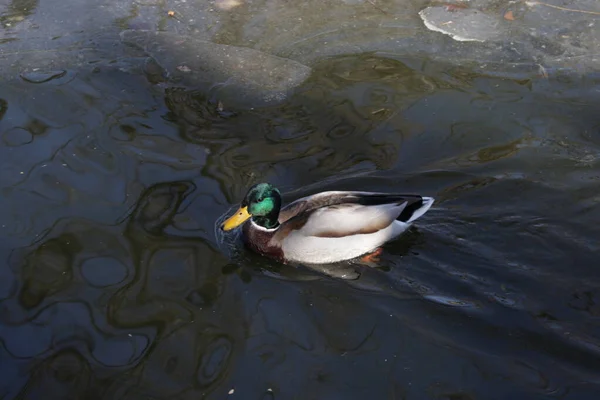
x,y
163,295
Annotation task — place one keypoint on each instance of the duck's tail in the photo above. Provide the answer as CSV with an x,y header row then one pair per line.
x,y
415,209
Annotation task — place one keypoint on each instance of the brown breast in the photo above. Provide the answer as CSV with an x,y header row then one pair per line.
x,y
259,242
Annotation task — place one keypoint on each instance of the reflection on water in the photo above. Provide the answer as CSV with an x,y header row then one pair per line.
x,y
358,131
14,12
117,284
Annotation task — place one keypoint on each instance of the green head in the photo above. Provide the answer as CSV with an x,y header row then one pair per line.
x,y
261,203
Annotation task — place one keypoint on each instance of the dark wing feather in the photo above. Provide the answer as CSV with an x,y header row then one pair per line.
x,y
364,198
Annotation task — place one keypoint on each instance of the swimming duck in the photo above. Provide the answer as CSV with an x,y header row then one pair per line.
x,y
325,227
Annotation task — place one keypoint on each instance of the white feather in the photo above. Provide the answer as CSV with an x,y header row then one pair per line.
x,y
350,218
319,250
301,246
261,228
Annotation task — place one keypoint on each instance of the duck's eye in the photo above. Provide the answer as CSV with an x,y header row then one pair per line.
x,y
260,199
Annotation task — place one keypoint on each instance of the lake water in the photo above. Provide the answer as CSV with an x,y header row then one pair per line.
x,y
116,283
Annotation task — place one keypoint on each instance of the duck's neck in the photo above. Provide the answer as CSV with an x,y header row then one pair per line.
x,y
269,221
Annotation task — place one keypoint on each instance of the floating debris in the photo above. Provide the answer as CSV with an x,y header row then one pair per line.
x,y
42,76
228,4
462,24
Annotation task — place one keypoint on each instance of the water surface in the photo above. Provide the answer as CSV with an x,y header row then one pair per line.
x,y
116,284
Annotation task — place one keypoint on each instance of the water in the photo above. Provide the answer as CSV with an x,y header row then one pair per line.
x,y
117,285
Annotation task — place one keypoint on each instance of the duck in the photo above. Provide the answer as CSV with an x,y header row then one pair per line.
x,y
325,227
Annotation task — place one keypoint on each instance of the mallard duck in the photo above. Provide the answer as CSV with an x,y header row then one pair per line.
x,y
325,227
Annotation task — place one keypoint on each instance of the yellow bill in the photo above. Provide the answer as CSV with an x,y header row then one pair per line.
x,y
236,219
